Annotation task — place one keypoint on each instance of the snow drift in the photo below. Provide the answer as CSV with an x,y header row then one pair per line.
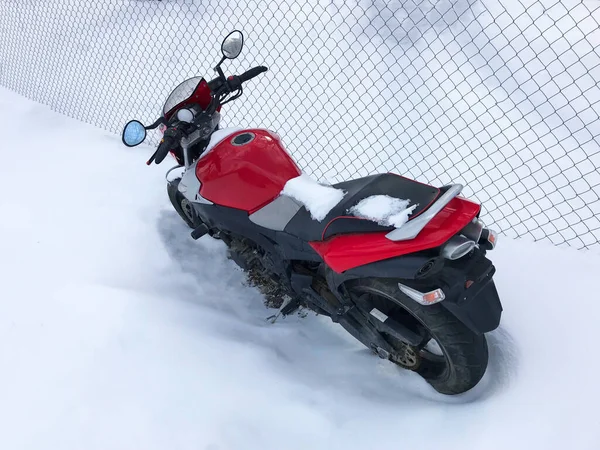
x,y
118,331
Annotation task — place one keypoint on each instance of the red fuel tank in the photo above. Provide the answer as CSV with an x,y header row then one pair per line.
x,y
246,170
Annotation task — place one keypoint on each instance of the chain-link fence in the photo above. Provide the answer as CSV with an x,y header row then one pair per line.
x,y
500,95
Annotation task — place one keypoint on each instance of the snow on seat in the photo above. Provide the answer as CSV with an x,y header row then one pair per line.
x,y
385,210
317,198
333,209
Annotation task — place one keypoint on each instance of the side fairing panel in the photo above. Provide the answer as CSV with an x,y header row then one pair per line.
x,y
245,175
347,251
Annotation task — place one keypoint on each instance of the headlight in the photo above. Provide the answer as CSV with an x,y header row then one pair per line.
x,y
185,115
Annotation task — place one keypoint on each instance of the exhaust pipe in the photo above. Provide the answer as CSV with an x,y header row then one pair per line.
x,y
473,230
457,247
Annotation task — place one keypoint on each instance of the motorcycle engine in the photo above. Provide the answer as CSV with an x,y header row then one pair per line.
x,y
261,270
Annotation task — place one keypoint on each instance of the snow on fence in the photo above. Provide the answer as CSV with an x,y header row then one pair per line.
x,y
500,95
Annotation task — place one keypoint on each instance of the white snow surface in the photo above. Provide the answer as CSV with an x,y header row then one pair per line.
x,y
383,209
316,197
118,331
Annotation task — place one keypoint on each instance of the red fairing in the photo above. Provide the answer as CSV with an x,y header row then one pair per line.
x,y
201,96
347,251
248,176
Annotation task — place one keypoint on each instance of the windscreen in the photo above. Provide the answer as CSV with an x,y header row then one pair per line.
x,y
181,93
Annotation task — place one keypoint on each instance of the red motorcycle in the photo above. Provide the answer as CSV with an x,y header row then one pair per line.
x,y
399,264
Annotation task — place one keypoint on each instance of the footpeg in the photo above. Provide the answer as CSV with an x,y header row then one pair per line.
x,y
288,306
199,231
382,353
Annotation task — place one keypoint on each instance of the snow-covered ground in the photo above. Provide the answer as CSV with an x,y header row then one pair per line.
x,y
118,331
500,95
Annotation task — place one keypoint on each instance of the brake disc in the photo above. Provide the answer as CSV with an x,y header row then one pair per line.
x,y
187,208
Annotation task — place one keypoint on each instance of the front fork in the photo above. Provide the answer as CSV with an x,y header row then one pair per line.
x,y
177,199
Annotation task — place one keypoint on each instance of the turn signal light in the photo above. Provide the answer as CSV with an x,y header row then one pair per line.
x,y
424,298
492,238
489,239
433,296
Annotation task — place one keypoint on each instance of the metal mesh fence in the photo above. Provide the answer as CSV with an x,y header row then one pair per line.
x,y
499,95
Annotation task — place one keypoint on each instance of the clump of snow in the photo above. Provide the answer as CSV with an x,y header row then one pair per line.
x,y
317,198
220,135
383,209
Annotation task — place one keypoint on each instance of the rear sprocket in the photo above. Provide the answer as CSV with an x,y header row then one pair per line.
x,y
405,355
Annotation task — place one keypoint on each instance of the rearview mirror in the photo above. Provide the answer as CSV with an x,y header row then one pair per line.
x,y
232,44
134,133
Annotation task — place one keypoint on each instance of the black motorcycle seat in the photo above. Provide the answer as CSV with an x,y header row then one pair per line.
x,y
339,221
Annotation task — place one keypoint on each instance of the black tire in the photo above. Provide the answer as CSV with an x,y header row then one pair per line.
x,y
180,203
465,354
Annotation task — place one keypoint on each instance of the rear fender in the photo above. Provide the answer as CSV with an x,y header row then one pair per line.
x,y
478,307
409,267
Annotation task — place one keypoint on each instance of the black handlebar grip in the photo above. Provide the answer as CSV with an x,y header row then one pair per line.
x,y
255,71
163,149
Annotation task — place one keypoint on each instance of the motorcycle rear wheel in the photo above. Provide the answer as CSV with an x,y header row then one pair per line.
x,y
462,355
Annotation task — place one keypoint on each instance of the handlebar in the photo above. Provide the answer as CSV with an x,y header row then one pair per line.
x,y
234,82
166,144
254,72
169,141
172,136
